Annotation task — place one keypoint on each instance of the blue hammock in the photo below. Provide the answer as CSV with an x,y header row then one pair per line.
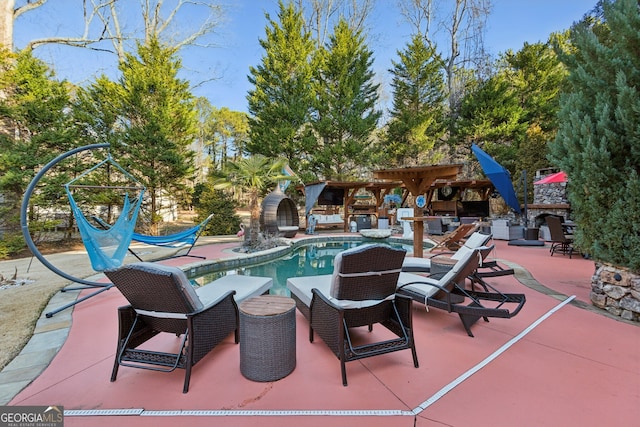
x,y
176,240
106,247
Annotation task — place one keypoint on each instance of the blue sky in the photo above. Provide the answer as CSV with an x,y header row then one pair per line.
x,y
511,24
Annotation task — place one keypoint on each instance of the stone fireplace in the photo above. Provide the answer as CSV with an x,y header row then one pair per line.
x,y
548,199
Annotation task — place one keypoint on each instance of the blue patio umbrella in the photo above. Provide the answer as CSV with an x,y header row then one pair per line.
x,y
499,176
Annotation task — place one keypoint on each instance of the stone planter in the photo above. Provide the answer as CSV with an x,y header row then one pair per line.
x,y
616,290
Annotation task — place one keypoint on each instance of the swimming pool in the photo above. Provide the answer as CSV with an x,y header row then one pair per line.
x,y
307,259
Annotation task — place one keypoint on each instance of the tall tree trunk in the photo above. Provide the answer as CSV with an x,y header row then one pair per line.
x,y
254,208
6,24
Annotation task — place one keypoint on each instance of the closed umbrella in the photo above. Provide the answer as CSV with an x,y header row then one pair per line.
x,y
499,176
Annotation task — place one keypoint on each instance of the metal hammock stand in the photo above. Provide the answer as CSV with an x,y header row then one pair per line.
x,y
24,224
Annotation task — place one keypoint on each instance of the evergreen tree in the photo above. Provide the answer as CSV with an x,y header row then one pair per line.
x,y
35,128
417,119
159,121
598,141
229,135
345,106
537,75
207,200
491,113
281,101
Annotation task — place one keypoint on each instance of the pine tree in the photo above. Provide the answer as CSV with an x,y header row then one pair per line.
x,y
160,123
598,142
281,101
345,107
417,119
35,128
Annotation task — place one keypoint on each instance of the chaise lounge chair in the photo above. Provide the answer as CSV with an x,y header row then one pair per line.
x,y
449,293
360,292
478,240
423,265
455,239
162,299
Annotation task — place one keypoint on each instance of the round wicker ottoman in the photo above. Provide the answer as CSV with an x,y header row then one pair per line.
x,y
267,337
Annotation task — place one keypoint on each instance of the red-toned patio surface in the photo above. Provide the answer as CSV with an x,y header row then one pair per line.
x,y
574,367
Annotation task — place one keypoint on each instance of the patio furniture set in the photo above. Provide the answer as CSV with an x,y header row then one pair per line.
x,y
371,285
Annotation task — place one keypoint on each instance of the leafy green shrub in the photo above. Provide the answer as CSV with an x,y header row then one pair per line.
x,y
207,200
11,244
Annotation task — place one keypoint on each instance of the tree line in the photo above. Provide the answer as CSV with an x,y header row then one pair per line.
x,y
315,102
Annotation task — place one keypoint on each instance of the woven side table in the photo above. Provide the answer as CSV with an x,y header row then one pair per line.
x,y
267,337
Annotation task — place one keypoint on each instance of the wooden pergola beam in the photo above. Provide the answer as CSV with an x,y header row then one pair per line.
x,y
418,180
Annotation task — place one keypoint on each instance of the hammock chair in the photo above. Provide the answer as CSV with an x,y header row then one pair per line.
x,y
176,240
107,247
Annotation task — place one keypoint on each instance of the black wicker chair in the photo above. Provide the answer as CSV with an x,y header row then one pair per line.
x,y
163,300
560,242
361,292
449,293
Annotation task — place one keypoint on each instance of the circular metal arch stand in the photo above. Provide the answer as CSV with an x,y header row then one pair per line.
x,y
32,246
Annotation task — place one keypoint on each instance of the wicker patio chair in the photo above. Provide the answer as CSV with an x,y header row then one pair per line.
x,y
449,293
560,242
360,292
162,299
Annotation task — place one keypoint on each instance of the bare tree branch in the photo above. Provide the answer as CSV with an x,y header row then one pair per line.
x,y
418,13
27,7
69,41
320,14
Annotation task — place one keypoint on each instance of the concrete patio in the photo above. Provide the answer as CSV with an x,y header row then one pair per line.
x,y
559,362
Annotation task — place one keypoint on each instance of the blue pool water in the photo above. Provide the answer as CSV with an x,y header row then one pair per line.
x,y
308,260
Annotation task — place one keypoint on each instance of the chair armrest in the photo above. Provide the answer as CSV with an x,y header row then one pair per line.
x,y
212,324
326,319
404,304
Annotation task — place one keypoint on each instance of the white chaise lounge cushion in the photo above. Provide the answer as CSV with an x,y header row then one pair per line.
x,y
476,241
206,295
245,286
301,286
423,288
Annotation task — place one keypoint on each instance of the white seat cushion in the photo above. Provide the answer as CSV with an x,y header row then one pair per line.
x,y
423,265
416,264
245,287
301,286
423,288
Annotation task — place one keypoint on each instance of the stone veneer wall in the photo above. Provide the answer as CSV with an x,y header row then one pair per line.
x,y
617,291
549,194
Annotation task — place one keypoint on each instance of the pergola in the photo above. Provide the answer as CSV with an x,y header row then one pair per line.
x,y
379,189
417,180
